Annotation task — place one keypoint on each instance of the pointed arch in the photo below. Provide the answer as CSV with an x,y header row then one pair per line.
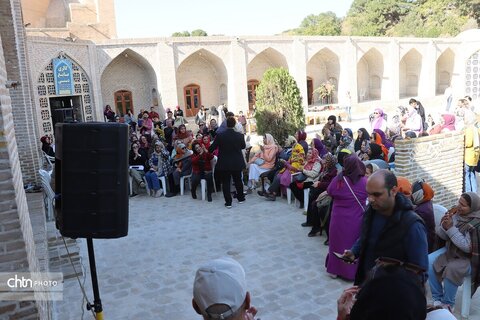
x,y
370,76
444,71
410,69
129,71
209,73
323,67
268,58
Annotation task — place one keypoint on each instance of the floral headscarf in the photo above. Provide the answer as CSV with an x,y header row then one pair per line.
x,y
297,159
312,159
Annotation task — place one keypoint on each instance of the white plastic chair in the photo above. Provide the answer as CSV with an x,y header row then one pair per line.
x,y
163,188
183,180
203,182
48,193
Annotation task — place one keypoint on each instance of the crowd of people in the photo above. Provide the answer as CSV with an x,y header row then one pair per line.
x,y
374,220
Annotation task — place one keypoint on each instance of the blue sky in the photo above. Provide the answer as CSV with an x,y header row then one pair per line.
x,y
158,18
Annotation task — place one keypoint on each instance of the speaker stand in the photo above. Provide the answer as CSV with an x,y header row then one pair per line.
x,y
97,303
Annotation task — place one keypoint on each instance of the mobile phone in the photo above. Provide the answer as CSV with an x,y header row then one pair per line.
x,y
342,257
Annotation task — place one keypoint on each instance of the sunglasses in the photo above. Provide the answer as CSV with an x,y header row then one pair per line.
x,y
376,113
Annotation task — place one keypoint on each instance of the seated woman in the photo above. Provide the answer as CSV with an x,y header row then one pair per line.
x,y
182,166
362,154
378,121
301,136
212,128
389,145
137,157
129,119
201,169
422,195
346,141
377,138
284,177
311,172
109,114
159,166
447,124
460,228
362,135
144,144
318,144
183,136
370,168
314,216
262,161
47,146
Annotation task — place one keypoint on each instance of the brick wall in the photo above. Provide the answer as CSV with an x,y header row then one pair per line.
x,y
14,49
17,246
437,159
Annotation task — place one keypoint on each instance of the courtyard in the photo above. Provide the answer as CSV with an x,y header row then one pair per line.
x,y
149,274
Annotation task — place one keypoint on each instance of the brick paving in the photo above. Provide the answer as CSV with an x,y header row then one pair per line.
x,y
149,273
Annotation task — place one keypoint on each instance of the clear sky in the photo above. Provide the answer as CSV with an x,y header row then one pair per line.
x,y
159,18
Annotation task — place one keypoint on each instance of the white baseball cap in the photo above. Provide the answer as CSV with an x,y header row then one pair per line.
x,y
220,282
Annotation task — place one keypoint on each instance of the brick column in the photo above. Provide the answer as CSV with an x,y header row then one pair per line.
x,y
12,33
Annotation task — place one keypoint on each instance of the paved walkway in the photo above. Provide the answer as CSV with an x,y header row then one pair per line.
x,y
149,273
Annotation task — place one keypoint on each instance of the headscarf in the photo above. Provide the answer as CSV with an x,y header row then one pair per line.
x,y
353,168
349,132
312,159
302,135
359,140
342,155
269,139
404,186
387,143
207,144
290,142
181,135
449,120
378,122
421,192
320,147
346,140
332,117
375,152
180,151
297,159
378,140
330,162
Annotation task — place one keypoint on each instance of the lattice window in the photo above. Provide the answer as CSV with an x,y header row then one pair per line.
x,y
43,103
76,77
41,79
45,115
472,74
51,90
86,88
78,88
50,78
84,77
47,127
42,90
88,109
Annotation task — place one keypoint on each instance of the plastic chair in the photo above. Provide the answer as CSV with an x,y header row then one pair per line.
x,y
48,193
183,180
163,187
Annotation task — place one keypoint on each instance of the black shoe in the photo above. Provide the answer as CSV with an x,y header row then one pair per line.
x,y
170,194
194,195
133,195
325,242
209,197
261,193
228,206
302,206
315,233
271,197
307,224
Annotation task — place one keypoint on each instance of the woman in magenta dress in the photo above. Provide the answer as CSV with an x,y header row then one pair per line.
x,y
347,215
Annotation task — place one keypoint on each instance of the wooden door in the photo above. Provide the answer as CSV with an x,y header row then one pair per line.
x,y
192,100
123,102
252,93
310,91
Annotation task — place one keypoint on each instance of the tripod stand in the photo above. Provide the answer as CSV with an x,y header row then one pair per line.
x,y
97,303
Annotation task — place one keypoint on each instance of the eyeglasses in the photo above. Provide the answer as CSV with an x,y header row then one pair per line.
x,y
376,113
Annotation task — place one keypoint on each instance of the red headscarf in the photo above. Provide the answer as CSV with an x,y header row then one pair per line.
x,y
312,159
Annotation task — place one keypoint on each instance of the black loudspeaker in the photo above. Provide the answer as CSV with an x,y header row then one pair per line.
x,y
91,179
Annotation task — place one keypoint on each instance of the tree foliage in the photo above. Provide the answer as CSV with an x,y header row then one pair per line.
x,y
323,24
419,18
194,33
279,105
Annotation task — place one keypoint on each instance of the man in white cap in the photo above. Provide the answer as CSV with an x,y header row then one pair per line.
x,y
220,291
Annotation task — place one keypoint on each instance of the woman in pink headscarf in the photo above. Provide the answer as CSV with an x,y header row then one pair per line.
x,y
447,124
378,120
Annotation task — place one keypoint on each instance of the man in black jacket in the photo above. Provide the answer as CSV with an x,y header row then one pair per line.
x,y
390,228
230,160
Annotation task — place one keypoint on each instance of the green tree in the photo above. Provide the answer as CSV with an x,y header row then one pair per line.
x,y
279,105
375,17
323,24
199,33
181,34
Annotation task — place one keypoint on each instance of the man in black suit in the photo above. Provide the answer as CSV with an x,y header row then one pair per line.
x,y
230,160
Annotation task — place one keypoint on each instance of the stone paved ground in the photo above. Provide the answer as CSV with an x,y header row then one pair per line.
x,y
149,273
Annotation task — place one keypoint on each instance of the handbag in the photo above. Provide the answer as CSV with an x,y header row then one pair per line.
x,y
323,200
259,161
348,185
300,177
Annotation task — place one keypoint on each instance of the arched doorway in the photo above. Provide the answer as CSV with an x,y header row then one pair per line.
x,y
123,102
252,93
445,64
310,91
208,72
410,70
323,69
192,99
369,76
